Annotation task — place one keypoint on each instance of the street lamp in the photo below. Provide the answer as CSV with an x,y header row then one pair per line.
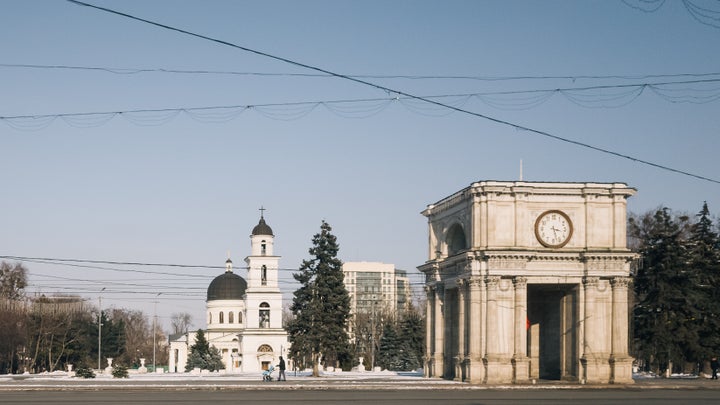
x,y
100,326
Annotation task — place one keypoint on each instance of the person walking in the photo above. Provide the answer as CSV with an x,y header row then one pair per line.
x,y
714,365
281,366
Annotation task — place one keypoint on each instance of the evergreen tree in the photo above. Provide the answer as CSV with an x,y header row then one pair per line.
x,y
388,356
321,306
704,261
204,356
412,330
666,295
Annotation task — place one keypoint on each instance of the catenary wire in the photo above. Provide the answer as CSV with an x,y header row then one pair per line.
x,y
402,93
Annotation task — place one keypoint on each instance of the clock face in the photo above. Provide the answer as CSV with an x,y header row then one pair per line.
x,y
553,229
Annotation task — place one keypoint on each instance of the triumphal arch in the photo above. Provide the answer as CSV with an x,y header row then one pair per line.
x,y
528,281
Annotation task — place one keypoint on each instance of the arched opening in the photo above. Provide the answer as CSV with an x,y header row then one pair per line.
x,y
263,275
263,248
264,315
239,317
209,317
455,240
221,319
231,317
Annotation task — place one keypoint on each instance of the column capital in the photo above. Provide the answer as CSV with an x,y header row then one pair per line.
x,y
461,282
492,281
475,282
520,282
591,281
620,282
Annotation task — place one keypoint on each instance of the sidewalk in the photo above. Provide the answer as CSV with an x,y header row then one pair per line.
x,y
303,381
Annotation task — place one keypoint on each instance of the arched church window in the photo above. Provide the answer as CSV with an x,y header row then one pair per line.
x,y
220,318
263,275
239,316
209,317
265,349
264,315
263,248
456,240
230,317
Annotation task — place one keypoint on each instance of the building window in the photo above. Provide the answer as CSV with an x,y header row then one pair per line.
x,y
230,317
209,317
239,316
264,315
220,318
263,248
263,275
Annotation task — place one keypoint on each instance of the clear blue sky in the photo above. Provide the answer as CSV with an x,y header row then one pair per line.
x,y
187,191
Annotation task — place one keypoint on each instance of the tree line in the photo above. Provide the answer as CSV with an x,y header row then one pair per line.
x,y
46,333
676,308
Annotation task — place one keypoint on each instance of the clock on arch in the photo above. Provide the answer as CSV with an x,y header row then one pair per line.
x,y
553,229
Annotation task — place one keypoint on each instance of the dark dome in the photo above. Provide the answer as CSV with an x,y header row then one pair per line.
x,y
262,228
227,286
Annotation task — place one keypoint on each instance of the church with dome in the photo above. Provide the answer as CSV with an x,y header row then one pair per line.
x,y
244,315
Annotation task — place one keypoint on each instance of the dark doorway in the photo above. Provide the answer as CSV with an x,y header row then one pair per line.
x,y
552,331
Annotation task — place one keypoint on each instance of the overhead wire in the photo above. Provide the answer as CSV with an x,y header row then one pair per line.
x,y
126,71
402,93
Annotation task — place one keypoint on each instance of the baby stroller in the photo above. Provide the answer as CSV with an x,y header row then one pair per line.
x,y
267,374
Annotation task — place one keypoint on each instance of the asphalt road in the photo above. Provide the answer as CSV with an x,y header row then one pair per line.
x,y
361,397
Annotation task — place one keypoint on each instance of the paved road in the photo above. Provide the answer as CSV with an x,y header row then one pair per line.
x,y
370,397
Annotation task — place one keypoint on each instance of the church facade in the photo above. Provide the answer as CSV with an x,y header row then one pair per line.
x,y
527,281
244,317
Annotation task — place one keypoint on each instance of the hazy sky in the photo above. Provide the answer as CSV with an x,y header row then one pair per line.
x,y
185,188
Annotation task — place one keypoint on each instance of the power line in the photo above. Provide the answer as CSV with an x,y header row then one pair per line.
x,y
131,71
402,93
567,91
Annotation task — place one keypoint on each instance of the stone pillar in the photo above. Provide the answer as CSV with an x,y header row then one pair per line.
x,y
438,354
498,363
460,357
620,360
475,366
595,365
429,308
520,361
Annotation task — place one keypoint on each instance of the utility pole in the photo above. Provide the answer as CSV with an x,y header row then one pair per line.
x,y
100,326
154,329
372,335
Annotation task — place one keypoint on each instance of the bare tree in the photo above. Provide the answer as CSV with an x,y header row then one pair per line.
x,y
13,280
181,322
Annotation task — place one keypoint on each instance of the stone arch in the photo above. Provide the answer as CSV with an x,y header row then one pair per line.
x,y
455,239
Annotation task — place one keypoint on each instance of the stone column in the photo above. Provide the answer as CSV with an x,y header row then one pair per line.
x,y
460,357
438,355
595,366
520,361
475,366
429,308
498,363
620,360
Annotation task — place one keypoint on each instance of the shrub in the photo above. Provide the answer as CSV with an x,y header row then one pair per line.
x,y
120,371
84,372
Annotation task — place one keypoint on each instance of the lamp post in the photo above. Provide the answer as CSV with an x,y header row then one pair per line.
x,y
154,329
100,326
